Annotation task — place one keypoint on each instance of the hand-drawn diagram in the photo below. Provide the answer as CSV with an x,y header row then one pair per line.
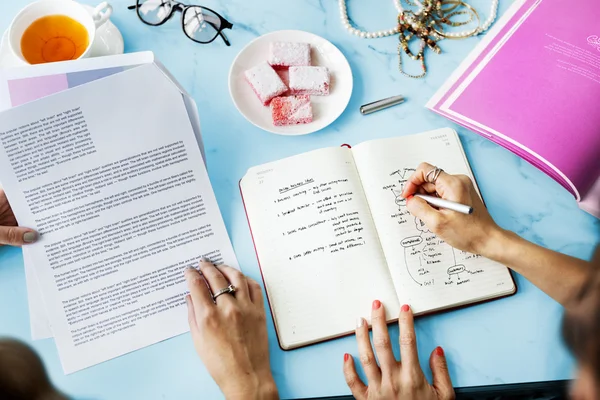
x,y
424,253
400,201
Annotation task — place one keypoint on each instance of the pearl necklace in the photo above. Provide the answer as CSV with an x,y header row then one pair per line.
x,y
367,35
390,32
422,24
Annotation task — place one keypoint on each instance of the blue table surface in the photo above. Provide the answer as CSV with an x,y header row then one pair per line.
x,y
506,341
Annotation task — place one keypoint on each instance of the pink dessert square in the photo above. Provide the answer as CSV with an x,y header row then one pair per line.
x,y
292,110
288,54
265,82
309,80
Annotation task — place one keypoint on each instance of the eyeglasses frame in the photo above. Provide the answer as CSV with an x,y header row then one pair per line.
x,y
177,6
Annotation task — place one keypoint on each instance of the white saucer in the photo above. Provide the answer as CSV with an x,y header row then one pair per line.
x,y
326,109
108,42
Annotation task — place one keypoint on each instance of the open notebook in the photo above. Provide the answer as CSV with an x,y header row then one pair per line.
x,y
332,234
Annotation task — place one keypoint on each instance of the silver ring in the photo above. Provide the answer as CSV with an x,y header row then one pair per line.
x,y
228,290
436,171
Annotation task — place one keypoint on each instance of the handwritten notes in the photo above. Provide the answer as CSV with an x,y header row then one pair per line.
x,y
316,216
314,205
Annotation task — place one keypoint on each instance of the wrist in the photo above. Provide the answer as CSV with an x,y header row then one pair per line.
x,y
257,388
268,390
495,244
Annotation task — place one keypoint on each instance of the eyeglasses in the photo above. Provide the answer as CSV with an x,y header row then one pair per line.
x,y
200,24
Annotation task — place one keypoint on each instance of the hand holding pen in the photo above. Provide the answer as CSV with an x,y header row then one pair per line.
x,y
460,218
445,204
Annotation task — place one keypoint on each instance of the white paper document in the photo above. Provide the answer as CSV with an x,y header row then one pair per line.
x,y
111,175
21,85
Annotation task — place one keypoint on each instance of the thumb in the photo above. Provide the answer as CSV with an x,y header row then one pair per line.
x,y
17,236
421,209
441,377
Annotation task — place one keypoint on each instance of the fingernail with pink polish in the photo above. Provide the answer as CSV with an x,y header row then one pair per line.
x,y
439,351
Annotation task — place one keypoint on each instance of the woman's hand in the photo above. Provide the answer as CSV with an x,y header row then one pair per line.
x,y
558,275
393,379
10,233
473,233
230,335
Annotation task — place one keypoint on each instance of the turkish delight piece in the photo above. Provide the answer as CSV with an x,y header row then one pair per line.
x,y
309,80
265,82
288,54
292,110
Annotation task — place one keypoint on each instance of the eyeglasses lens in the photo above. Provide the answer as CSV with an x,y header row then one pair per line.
x,y
154,12
200,24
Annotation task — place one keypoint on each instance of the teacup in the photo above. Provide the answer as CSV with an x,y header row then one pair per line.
x,y
48,8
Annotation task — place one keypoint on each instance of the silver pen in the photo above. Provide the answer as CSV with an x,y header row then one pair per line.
x,y
381,104
447,204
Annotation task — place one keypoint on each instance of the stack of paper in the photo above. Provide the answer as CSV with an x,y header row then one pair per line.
x,y
104,158
534,91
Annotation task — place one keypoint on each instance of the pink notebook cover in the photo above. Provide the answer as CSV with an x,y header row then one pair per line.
x,y
532,86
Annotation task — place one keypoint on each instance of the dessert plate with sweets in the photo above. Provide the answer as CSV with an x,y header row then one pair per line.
x,y
290,82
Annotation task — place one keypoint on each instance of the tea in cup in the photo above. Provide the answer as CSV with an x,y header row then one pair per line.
x,y
55,30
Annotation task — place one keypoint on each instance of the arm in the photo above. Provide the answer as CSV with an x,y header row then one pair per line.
x,y
558,275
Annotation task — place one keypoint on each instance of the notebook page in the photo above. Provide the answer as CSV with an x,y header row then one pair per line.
x,y
428,273
317,246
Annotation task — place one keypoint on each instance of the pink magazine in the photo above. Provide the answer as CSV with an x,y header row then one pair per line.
x,y
532,85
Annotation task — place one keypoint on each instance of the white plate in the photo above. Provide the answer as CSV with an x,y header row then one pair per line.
x,y
108,42
326,109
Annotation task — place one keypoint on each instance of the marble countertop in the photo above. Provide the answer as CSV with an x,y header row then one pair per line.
x,y
507,341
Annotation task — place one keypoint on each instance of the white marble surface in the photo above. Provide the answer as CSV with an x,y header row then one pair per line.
x,y
511,340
